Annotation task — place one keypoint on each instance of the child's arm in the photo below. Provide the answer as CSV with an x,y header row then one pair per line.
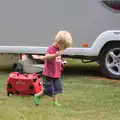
x,y
51,56
48,56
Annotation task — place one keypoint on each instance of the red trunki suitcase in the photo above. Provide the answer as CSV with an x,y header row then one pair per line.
x,y
24,84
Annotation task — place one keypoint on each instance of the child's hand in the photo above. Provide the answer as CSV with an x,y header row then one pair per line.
x,y
41,57
35,56
58,53
38,57
51,56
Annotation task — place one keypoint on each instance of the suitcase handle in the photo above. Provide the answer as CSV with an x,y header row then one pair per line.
x,y
25,74
22,73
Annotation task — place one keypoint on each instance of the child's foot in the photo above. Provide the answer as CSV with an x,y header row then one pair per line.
x,y
55,103
36,99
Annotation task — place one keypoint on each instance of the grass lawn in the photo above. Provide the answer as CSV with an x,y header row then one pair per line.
x,y
84,98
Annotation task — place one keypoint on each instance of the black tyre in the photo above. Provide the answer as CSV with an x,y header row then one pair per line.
x,y
109,60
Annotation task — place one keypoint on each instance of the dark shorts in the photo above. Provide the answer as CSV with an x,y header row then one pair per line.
x,y
52,86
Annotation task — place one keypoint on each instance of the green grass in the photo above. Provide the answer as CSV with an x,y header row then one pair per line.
x,y
83,99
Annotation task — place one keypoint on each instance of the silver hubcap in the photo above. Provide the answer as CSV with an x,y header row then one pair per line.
x,y
113,61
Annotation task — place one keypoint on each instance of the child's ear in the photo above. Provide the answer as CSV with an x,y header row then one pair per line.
x,y
56,32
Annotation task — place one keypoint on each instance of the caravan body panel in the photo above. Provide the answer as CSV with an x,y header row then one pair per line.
x,y
35,23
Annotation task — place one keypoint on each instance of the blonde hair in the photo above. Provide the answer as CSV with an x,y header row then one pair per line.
x,y
64,37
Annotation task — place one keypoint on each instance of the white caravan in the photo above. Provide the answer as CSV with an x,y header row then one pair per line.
x,y
30,26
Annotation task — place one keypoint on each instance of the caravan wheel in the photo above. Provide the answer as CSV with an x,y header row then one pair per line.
x,y
110,61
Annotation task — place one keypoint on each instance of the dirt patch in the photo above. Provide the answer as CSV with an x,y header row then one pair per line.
x,y
102,78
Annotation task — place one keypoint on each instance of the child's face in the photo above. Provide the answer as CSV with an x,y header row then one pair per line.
x,y
61,46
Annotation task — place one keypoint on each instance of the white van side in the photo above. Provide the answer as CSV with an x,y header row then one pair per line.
x,y
30,26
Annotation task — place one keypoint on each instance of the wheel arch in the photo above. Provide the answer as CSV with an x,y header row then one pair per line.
x,y
108,43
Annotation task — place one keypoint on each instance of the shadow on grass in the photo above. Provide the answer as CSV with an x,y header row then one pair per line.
x,y
5,69
84,70
74,69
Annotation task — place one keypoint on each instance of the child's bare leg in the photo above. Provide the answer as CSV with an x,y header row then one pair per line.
x,y
54,97
40,93
37,97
